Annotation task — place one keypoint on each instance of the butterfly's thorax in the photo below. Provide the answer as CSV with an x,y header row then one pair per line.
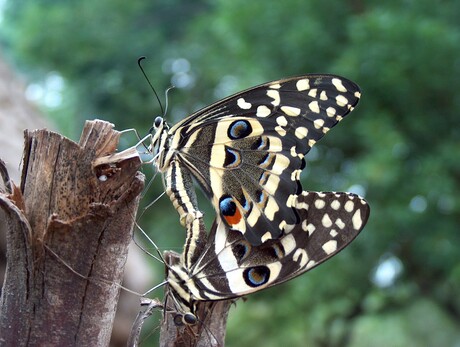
x,y
161,141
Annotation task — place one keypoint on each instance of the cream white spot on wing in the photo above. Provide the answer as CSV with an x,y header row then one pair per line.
x,y
357,220
314,106
340,223
275,95
335,204
311,142
271,208
313,92
357,94
265,237
310,264
293,151
263,111
291,200
318,123
271,185
339,85
243,104
275,86
349,205
300,256
304,225
280,130
291,111
333,233
276,145
341,100
319,204
323,95
301,132
330,111
303,84
310,228
326,221
253,217
295,175
281,163
330,246
281,120
288,243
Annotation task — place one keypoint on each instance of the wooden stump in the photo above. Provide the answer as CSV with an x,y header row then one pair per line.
x,y
69,227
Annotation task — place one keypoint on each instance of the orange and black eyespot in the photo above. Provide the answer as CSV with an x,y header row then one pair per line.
x,y
229,210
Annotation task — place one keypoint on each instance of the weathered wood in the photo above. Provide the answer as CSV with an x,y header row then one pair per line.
x,y
76,211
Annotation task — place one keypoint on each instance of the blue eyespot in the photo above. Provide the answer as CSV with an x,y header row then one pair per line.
x,y
262,143
245,204
261,195
241,250
266,161
278,250
227,206
232,158
239,129
256,276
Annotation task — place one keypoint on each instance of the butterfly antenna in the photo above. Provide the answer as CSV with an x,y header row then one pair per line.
x,y
100,281
139,62
154,288
160,256
167,98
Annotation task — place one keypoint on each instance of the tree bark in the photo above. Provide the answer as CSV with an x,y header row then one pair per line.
x,y
69,227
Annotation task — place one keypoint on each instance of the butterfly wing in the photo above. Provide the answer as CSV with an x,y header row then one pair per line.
x,y
247,151
232,267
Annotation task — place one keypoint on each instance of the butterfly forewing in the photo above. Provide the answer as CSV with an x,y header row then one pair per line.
x,y
247,151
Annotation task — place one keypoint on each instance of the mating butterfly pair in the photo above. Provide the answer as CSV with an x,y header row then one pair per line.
x,y
247,152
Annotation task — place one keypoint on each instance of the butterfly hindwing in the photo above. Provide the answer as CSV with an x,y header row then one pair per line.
x,y
231,267
247,151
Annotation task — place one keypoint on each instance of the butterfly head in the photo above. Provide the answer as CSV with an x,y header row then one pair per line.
x,y
185,319
159,132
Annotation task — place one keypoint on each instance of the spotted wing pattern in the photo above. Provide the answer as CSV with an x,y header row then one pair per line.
x,y
231,267
247,151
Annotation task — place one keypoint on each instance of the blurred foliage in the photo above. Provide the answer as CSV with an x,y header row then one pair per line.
x,y
400,148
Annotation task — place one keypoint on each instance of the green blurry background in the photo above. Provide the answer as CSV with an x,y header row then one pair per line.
x,y
398,284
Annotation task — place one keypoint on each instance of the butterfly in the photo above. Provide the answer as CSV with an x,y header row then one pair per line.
x,y
230,267
247,151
